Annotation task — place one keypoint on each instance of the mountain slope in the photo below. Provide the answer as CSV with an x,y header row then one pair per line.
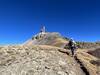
x,y
53,39
36,60
44,54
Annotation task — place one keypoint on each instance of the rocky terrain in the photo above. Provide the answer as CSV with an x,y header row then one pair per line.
x,y
37,60
53,39
44,54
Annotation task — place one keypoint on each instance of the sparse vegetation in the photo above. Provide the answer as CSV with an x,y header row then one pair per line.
x,y
95,62
53,39
87,45
66,38
88,61
40,60
45,55
95,52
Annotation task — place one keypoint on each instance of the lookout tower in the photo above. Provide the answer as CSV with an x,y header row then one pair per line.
x,y
42,29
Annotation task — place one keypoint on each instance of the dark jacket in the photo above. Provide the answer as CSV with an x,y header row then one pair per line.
x,y
72,44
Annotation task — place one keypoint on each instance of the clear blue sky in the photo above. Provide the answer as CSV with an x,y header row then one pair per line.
x,y
21,19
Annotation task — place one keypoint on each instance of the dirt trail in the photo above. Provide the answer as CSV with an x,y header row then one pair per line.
x,y
81,66
84,69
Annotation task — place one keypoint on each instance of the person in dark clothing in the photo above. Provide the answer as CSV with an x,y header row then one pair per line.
x,y
72,46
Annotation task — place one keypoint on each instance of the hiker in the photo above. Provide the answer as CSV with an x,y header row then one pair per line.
x,y
72,46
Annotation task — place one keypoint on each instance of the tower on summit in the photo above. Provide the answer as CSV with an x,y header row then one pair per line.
x,y
43,29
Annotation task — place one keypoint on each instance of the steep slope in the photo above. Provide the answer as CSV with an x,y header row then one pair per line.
x,y
36,60
53,39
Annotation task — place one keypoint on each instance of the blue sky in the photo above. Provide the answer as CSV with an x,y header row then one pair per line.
x,y
21,19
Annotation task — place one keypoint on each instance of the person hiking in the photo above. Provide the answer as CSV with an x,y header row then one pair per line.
x,y
72,46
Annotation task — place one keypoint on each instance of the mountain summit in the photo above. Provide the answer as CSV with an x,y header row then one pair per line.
x,y
46,38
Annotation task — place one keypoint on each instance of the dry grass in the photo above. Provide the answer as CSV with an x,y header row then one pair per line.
x,y
95,52
35,59
86,59
60,42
